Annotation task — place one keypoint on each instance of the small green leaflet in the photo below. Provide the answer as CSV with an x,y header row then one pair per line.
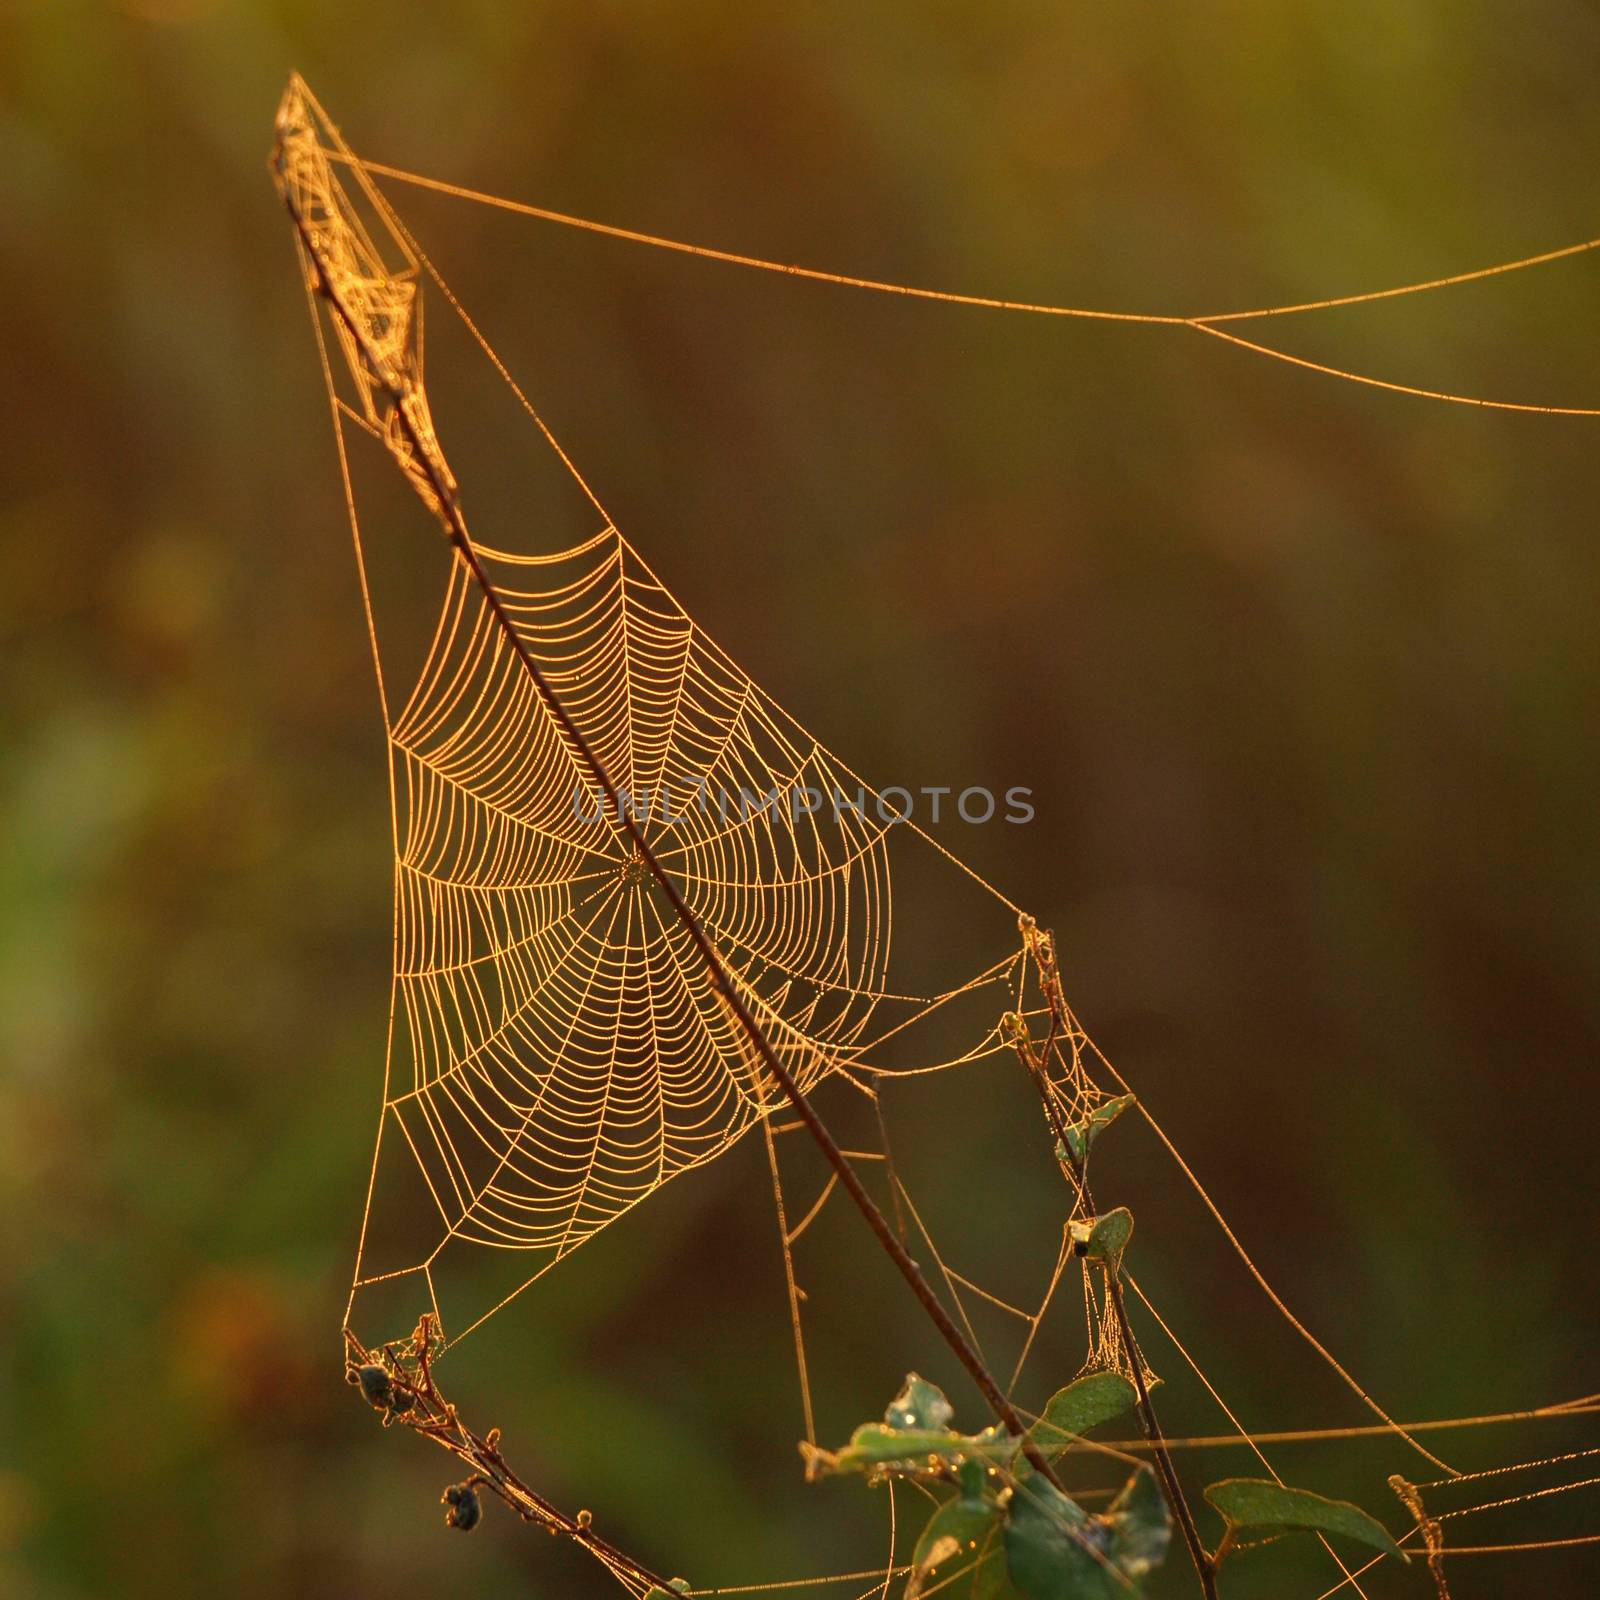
x,y
915,1437
919,1405
1082,1134
961,1554
1103,1238
1256,1509
1084,1404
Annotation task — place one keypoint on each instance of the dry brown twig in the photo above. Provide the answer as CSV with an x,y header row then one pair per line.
x,y
398,1380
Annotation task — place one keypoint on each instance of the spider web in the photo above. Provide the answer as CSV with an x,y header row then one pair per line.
x,y
568,1051
561,1051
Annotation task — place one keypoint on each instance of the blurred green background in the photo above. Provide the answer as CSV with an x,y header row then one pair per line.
x,y
1303,675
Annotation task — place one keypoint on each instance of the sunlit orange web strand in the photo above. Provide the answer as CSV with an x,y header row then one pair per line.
x,y
989,302
557,1051
1203,323
1384,383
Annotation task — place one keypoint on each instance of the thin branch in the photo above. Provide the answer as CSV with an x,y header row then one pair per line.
x,y
404,1389
1041,948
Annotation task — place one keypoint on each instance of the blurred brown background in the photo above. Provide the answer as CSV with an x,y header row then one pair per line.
x,y
1304,676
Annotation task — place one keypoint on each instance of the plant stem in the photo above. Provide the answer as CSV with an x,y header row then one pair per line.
x,y
1042,947
1205,1565
446,505
434,1418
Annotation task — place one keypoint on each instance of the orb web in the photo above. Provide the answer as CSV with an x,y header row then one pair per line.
x,y
567,1051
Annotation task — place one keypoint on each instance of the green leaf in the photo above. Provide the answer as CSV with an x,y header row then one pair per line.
x,y
961,1554
1055,1550
1084,1404
920,1405
1255,1509
1082,1134
877,1451
1109,1237
914,1438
